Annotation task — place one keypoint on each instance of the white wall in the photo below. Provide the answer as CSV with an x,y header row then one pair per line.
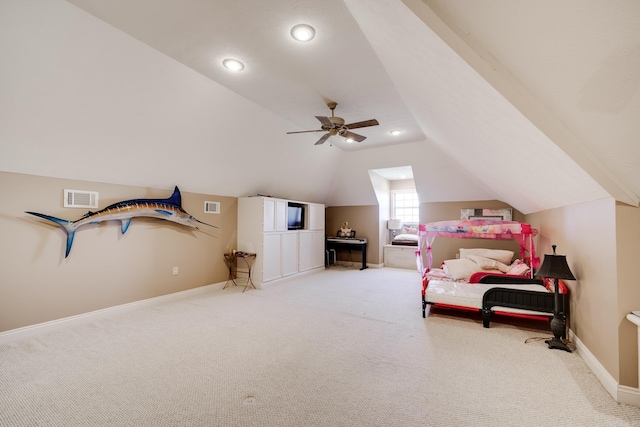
x,y
381,187
83,100
351,186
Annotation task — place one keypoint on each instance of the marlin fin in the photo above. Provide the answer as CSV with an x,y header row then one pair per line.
x,y
125,223
70,235
176,198
59,221
66,225
163,212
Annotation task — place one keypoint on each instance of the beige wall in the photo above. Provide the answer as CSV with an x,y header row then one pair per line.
x,y
586,234
104,268
627,253
363,219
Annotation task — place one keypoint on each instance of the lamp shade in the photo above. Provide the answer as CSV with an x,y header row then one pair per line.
x,y
555,266
394,224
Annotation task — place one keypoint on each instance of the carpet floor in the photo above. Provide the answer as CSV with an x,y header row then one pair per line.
x,y
340,347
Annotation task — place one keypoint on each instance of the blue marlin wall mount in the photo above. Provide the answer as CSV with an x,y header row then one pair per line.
x,y
168,209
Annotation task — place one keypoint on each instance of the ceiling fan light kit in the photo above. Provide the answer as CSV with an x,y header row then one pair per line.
x,y
335,126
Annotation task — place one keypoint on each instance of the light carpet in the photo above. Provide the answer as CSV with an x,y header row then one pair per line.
x,y
341,347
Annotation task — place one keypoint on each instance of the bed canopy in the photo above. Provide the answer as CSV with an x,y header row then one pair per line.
x,y
476,229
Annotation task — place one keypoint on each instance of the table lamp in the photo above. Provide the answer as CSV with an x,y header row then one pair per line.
x,y
393,225
555,267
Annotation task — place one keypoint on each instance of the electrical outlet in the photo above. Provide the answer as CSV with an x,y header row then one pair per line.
x,y
175,271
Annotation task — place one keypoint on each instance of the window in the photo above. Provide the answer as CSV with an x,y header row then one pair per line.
x,y
406,206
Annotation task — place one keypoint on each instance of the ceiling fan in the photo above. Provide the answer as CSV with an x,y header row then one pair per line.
x,y
335,126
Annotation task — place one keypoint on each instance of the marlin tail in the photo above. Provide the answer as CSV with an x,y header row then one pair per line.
x,y
169,209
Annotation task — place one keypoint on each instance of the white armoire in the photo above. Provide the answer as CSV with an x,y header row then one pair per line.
x,y
264,229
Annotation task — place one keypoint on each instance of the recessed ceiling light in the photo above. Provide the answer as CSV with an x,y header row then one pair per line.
x,y
396,132
233,64
303,32
349,140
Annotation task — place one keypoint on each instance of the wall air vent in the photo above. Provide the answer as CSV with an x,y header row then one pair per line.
x,y
212,207
80,199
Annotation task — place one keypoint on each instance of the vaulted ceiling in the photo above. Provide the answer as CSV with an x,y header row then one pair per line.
x,y
532,103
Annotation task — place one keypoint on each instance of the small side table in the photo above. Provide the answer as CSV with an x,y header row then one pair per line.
x,y
231,259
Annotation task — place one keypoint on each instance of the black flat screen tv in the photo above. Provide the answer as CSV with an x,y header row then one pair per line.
x,y
295,216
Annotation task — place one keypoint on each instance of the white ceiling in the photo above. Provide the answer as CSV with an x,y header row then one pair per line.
x,y
532,103
293,79
397,173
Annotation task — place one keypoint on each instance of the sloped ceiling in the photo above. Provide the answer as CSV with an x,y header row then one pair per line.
x,y
469,119
531,103
572,67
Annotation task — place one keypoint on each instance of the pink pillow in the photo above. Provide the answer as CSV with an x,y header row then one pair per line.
x,y
408,229
518,268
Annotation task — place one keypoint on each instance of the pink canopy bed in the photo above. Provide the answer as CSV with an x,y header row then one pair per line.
x,y
486,280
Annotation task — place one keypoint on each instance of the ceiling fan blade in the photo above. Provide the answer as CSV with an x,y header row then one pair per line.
x,y
306,131
325,122
354,136
372,122
322,139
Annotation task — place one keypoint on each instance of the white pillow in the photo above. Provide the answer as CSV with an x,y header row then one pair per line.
x,y
405,237
488,263
502,255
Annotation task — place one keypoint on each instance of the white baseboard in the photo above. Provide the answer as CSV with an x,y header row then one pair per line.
x,y
291,276
619,393
628,395
28,331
